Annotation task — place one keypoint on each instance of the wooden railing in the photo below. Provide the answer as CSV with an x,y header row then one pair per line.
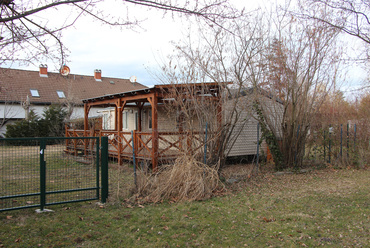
x,y
170,144
75,146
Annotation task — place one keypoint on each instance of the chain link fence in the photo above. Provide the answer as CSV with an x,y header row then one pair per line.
x,y
38,172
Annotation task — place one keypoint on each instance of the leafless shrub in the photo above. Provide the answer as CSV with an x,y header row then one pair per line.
x,y
185,180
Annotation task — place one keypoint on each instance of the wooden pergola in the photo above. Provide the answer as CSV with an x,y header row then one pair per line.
x,y
137,99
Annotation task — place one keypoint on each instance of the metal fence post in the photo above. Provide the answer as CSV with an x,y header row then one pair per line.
x,y
42,175
104,169
347,140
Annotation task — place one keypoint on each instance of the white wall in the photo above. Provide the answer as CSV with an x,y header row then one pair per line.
x,y
13,112
109,117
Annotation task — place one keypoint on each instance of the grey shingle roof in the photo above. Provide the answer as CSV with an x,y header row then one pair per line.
x,y
15,85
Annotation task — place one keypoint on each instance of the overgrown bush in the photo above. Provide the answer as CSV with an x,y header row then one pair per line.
x,y
51,125
185,180
53,120
25,128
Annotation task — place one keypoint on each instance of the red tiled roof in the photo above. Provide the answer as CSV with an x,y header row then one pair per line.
x,y
15,85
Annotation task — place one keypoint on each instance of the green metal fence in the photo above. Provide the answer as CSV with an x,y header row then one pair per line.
x,y
38,172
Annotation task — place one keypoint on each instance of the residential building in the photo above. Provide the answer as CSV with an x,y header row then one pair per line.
x,y
23,90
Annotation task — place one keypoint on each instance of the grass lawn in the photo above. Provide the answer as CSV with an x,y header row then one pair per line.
x,y
328,208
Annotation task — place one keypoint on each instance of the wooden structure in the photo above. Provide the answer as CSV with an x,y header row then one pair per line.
x,y
152,145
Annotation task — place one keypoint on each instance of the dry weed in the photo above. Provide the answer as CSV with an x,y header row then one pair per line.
x,y
185,180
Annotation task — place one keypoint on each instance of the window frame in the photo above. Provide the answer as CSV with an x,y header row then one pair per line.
x,y
136,120
61,94
125,120
150,118
35,93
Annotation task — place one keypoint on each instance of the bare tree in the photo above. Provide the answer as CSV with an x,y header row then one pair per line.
x,y
349,16
301,67
288,64
26,36
227,57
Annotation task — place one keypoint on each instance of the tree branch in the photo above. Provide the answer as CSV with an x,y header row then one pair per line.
x,y
33,11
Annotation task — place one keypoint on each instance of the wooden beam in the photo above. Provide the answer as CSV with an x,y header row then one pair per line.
x,y
110,102
127,98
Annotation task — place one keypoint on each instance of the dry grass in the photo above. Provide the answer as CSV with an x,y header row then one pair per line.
x,y
121,182
185,180
237,171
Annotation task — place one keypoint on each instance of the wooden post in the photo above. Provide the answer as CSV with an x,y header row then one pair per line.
x,y
86,117
119,128
155,132
140,107
116,118
120,105
119,115
154,102
135,147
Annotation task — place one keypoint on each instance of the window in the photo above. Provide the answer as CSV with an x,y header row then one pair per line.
x,y
136,120
106,121
124,120
61,94
150,118
34,93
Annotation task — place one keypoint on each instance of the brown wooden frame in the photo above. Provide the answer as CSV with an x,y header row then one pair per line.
x,y
153,96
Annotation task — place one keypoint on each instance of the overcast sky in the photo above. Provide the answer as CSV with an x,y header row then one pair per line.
x,y
124,53
119,53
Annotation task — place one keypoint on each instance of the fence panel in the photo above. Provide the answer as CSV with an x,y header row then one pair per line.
x,y
338,144
20,173
38,172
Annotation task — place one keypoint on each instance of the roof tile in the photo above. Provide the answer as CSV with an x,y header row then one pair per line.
x,y
15,85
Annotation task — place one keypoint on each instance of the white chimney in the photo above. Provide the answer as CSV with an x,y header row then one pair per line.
x,y
43,70
97,75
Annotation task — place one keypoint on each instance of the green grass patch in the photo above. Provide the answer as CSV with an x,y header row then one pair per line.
x,y
325,207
